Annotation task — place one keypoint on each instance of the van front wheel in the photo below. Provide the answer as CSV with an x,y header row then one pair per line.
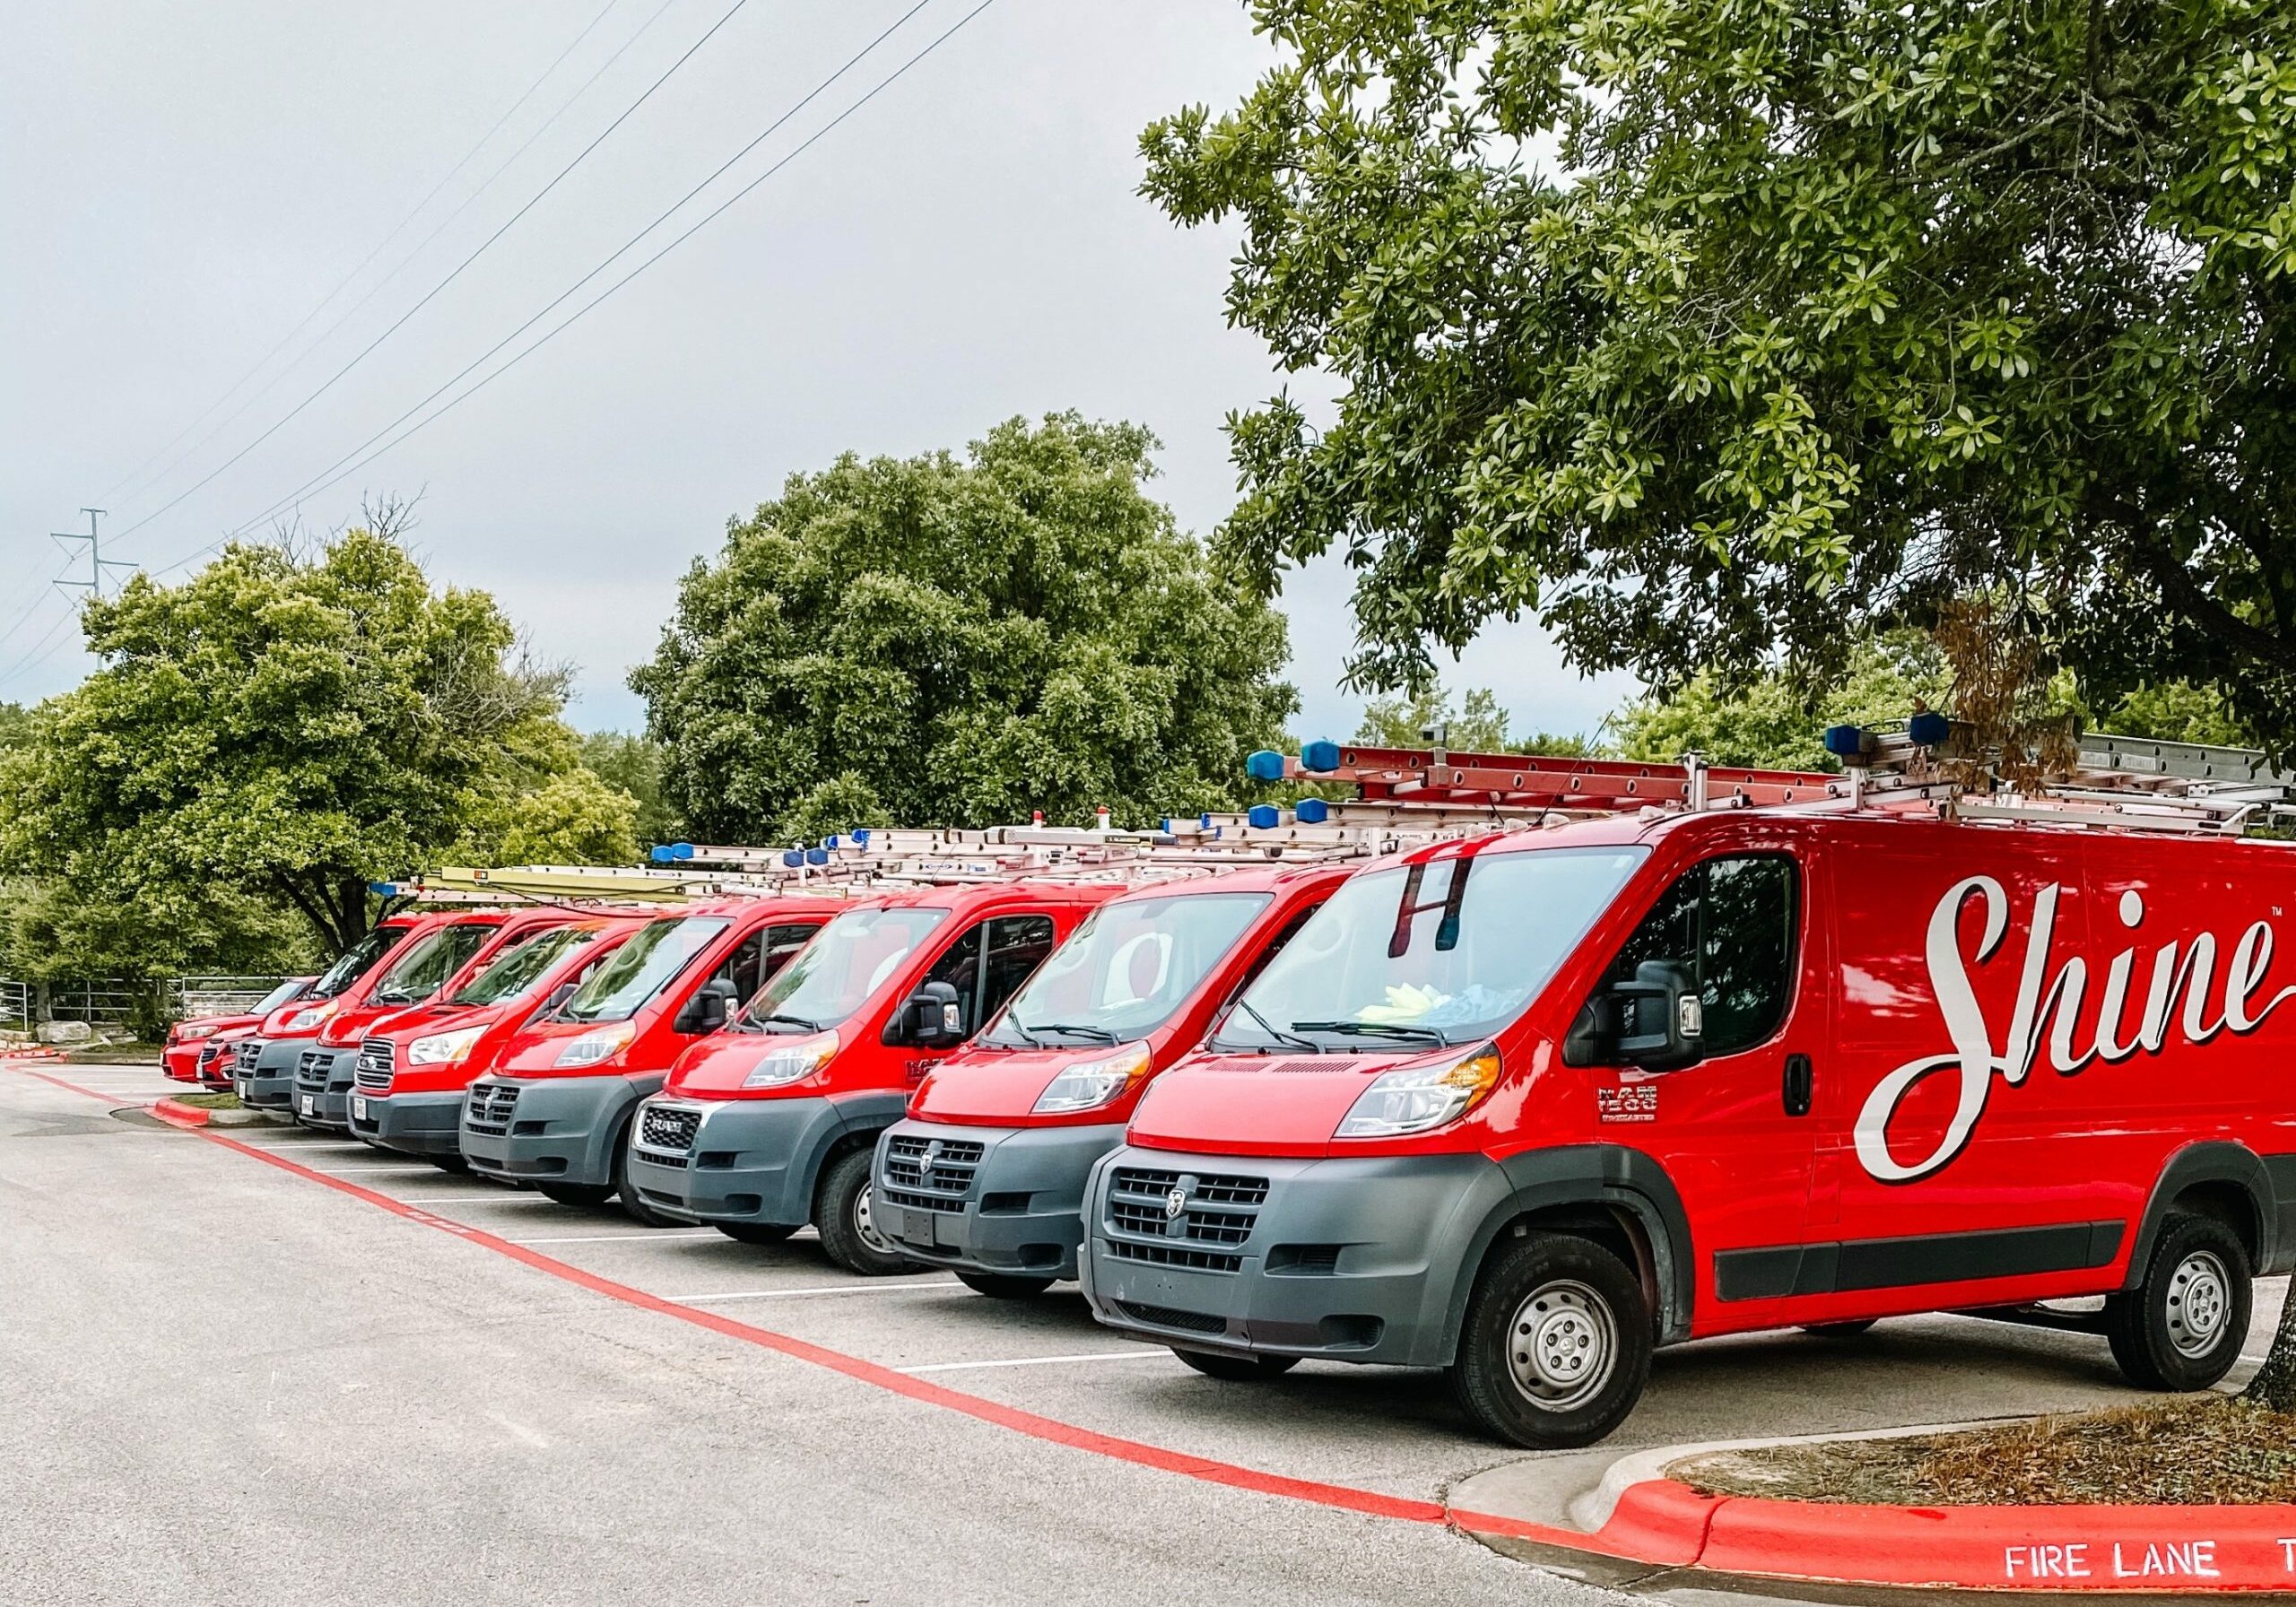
x,y
2183,1326
847,1226
1556,1346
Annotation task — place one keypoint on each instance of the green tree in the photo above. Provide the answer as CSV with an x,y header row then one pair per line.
x,y
957,642
1701,331
292,725
631,763
1773,721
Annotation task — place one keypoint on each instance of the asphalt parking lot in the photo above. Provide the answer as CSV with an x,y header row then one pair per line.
x,y
236,1380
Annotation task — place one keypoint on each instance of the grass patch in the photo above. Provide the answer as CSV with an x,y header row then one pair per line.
x,y
2210,1450
209,1101
113,1055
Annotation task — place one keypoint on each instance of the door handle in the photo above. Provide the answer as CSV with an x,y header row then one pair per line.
x,y
1800,1084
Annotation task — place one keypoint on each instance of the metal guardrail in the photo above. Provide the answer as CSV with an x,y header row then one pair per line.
x,y
189,996
101,1002
15,1005
114,1001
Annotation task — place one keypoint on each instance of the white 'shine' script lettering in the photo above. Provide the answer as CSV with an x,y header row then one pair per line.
x,y
2048,1010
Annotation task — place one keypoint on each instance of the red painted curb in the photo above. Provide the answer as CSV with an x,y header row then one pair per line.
x,y
1657,1522
182,1115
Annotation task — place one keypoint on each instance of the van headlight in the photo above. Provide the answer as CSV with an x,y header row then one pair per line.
x,y
1417,1097
792,1061
444,1048
593,1048
308,1017
1091,1083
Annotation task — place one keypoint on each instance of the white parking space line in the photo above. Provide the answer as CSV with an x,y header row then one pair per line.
x,y
668,1235
966,1367
501,1199
404,1168
306,1143
793,1294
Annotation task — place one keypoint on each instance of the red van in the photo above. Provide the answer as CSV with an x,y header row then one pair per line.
x,y
442,954
1524,1107
263,1064
987,1174
554,1110
772,1123
413,1069
190,1041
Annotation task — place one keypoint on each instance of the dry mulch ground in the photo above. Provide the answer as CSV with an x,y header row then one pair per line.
x,y
2211,1451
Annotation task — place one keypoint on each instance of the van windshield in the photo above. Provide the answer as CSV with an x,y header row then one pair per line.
x,y
1129,967
293,988
641,968
835,974
357,961
527,962
1440,952
423,969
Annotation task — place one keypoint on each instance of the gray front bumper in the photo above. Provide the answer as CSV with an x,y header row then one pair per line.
x,y
421,1124
1356,1259
750,1160
992,1199
323,1079
272,1085
549,1129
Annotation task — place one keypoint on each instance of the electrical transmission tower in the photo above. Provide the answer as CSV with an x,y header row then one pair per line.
x,y
97,562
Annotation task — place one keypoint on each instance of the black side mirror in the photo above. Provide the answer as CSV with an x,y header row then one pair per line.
x,y
557,996
934,1017
711,1003
1654,1020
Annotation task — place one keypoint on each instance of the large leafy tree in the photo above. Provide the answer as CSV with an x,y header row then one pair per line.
x,y
291,725
1698,328
957,641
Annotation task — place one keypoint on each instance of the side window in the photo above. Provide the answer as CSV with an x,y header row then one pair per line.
x,y
1275,945
743,967
1732,922
1017,945
781,946
960,967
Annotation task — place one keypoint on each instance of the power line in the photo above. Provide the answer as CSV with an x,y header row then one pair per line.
x,y
137,472
329,477
434,291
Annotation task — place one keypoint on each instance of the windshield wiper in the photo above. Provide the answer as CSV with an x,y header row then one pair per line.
x,y
1277,1033
1428,1035
795,1021
1098,1034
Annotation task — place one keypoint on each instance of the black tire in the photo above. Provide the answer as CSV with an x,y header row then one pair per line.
x,y
2182,1326
755,1233
1237,1369
841,1213
450,1163
1846,1330
1004,1286
582,1196
1555,1349
634,1206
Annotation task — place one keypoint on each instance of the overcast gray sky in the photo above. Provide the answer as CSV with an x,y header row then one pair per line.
x,y
181,185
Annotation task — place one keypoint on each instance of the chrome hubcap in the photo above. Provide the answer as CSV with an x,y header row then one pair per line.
x,y
2200,1298
1561,1345
865,1224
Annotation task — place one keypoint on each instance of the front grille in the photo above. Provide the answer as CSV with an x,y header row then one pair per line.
x,y
668,1127
917,1202
1167,1317
1212,1208
1172,1254
310,1070
488,1108
244,1059
376,1057
931,1174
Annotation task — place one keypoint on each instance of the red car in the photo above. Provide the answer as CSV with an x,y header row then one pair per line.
x,y
194,1041
413,1068
555,1108
772,1123
987,1172
264,1061
1524,1107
